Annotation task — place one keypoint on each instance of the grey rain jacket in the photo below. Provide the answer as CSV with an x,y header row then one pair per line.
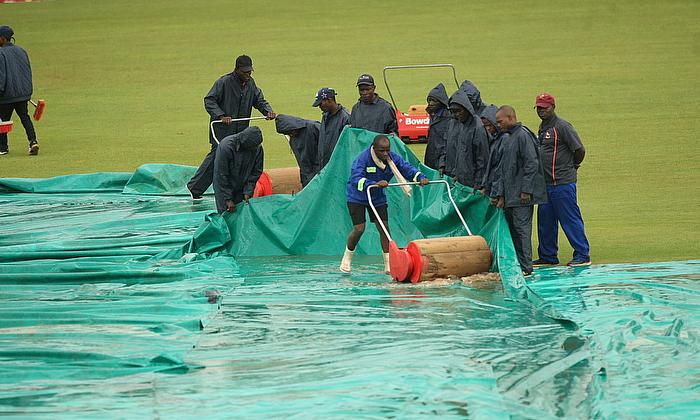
x,y
304,143
15,74
467,147
237,166
378,116
495,146
437,131
228,98
520,169
331,127
474,96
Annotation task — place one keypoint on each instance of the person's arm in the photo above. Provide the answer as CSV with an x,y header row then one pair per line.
x,y
408,171
574,143
222,170
496,191
249,187
3,74
480,150
211,101
531,163
579,154
262,105
358,176
391,125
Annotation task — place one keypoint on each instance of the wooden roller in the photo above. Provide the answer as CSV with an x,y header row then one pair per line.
x,y
428,259
278,181
285,180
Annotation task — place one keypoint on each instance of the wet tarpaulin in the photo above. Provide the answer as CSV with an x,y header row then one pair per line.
x,y
120,298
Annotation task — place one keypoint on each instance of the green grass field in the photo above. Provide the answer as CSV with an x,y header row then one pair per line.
x,y
124,83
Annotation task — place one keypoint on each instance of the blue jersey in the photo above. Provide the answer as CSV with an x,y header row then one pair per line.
x,y
365,172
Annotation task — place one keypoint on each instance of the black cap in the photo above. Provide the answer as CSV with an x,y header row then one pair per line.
x,y
6,32
244,63
365,79
324,93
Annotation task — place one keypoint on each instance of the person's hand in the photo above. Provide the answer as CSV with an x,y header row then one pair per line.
x,y
424,181
226,120
484,191
270,116
501,202
525,197
230,206
382,184
246,197
441,171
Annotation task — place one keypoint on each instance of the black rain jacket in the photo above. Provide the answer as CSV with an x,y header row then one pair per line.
x,y
520,169
437,131
237,166
467,147
227,97
15,74
331,127
303,141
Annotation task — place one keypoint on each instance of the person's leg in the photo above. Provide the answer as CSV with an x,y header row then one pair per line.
x,y
382,236
354,236
23,114
521,218
204,176
548,230
512,217
5,115
357,216
383,212
572,223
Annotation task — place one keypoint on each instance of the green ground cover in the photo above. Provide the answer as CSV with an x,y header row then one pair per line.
x,y
124,82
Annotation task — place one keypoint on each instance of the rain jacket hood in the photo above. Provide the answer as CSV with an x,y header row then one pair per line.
x,y
249,139
460,97
490,114
474,95
285,124
439,93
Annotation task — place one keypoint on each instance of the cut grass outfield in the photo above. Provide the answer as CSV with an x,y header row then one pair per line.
x,y
124,83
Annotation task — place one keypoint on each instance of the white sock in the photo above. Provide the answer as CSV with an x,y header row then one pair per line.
x,y
346,261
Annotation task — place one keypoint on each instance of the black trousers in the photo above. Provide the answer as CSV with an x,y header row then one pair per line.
x,y
520,225
21,109
204,176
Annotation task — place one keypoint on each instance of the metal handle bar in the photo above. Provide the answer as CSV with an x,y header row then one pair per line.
x,y
415,66
211,125
398,184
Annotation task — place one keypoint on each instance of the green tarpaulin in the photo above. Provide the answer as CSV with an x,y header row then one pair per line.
x,y
119,297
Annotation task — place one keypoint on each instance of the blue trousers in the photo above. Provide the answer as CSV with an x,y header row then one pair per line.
x,y
561,208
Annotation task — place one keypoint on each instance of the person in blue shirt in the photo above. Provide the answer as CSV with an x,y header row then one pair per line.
x,y
374,166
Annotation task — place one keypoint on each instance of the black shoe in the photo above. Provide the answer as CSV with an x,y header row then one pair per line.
x,y
4,152
34,149
579,263
527,273
543,263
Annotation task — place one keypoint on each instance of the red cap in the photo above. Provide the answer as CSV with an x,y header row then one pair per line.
x,y
544,100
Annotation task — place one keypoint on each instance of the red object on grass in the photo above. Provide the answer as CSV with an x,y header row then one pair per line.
x,y
5,127
39,111
263,186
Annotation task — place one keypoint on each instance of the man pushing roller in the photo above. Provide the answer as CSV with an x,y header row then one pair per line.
x,y
375,166
232,97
